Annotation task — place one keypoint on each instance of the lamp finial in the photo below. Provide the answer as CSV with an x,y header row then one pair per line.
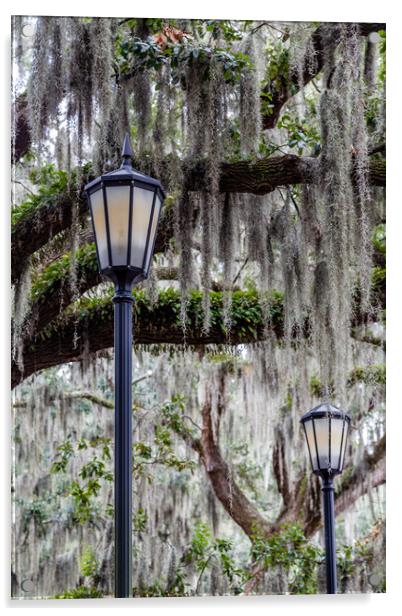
x,y
127,151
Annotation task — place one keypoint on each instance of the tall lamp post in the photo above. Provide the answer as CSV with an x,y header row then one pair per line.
x,y
125,208
326,428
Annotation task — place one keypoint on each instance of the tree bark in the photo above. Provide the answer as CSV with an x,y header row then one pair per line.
x,y
35,230
235,502
74,336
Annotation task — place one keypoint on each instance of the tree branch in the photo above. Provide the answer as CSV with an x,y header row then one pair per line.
x,y
302,501
33,231
235,502
36,229
59,292
370,473
90,328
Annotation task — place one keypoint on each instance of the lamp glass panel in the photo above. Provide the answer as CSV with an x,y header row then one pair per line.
x,y
118,204
142,209
322,435
98,217
155,219
345,434
336,441
308,425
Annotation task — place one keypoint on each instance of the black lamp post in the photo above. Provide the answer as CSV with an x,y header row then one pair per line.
x,y
326,428
125,207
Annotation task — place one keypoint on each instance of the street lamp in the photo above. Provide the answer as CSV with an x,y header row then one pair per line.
x,y
326,428
125,208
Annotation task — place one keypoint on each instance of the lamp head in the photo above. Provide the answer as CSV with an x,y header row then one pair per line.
x,y
326,429
125,208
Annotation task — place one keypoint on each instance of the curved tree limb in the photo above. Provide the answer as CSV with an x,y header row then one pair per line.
x,y
370,473
233,499
66,337
48,303
35,230
90,328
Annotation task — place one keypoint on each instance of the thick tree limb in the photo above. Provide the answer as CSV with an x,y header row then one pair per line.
x,y
279,91
74,336
368,475
302,502
237,505
35,230
47,305
50,341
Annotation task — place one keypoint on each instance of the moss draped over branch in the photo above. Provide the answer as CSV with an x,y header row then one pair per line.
x,y
87,326
52,215
51,290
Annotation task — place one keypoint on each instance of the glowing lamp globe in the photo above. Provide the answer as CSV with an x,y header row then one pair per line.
x,y
125,209
326,428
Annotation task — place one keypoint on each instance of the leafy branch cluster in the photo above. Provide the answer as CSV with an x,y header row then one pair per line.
x,y
246,311
162,450
372,374
290,550
180,53
204,549
97,469
48,183
93,473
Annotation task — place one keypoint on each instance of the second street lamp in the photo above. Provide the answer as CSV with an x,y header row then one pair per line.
x,y
125,208
326,429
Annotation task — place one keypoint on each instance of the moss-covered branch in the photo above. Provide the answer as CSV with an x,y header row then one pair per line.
x,y
88,326
369,474
52,291
51,215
